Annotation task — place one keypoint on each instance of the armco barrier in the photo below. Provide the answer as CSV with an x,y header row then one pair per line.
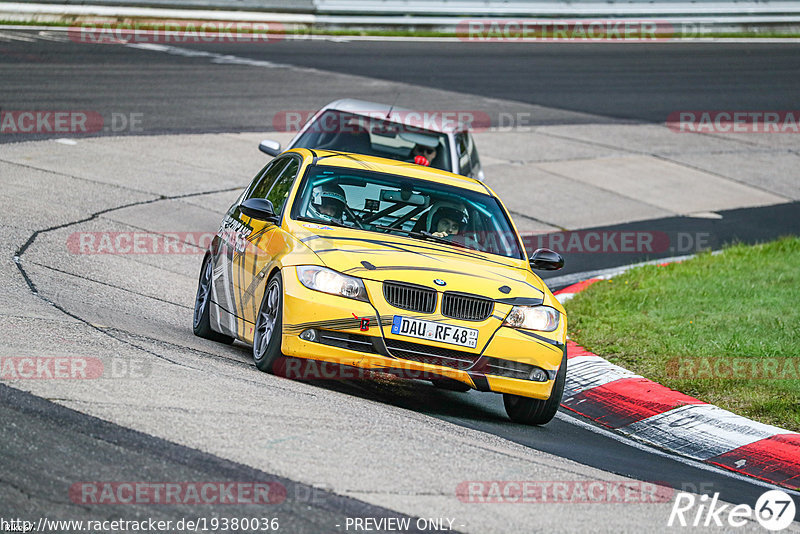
x,y
695,18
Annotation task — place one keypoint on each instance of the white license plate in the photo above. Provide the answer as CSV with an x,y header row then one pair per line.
x,y
444,333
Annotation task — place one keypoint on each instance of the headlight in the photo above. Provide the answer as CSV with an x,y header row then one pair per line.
x,y
542,318
329,281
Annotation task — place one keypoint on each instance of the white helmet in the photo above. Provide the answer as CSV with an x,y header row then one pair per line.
x,y
328,201
452,210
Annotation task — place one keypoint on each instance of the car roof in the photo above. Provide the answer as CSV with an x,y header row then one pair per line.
x,y
390,166
434,121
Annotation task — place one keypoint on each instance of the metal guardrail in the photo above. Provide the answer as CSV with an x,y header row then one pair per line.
x,y
436,9
696,17
554,8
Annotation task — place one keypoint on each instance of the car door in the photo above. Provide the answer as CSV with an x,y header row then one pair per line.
x,y
256,254
230,234
227,256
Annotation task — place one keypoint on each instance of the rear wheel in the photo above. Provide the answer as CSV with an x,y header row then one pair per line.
x,y
201,323
269,325
530,411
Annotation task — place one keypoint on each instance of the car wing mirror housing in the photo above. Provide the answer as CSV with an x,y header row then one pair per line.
x,y
259,208
545,259
270,147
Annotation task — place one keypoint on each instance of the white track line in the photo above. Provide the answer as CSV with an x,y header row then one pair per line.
x,y
13,36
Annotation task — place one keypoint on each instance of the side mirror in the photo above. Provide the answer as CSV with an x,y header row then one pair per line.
x,y
268,146
546,260
259,208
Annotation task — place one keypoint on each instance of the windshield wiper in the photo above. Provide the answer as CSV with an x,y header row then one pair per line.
x,y
410,233
420,235
428,235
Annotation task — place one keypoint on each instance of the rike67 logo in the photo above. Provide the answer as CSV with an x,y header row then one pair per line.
x,y
774,510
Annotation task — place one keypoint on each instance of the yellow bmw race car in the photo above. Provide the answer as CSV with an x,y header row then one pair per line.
x,y
390,266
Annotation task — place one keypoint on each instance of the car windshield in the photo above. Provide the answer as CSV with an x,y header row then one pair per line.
x,y
373,136
399,205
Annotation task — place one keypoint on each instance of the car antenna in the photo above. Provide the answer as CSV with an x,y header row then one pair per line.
x,y
389,113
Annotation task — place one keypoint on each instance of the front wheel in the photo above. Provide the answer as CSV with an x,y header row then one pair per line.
x,y
528,411
201,323
269,325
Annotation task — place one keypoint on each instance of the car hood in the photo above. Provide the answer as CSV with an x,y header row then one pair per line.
x,y
380,257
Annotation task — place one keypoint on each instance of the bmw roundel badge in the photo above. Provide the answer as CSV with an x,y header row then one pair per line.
x,y
439,282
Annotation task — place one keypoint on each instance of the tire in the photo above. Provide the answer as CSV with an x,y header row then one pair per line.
x,y
269,323
528,411
201,324
450,385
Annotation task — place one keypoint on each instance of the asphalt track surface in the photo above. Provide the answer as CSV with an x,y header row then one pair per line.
x,y
636,81
577,83
628,82
57,439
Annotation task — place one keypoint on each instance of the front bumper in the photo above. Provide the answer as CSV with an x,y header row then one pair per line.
x,y
355,333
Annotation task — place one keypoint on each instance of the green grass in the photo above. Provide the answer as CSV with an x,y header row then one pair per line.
x,y
736,310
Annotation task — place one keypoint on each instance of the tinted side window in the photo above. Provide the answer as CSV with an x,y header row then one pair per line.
x,y
473,154
262,186
464,162
280,191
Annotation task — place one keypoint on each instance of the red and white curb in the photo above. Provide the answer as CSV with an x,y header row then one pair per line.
x,y
654,414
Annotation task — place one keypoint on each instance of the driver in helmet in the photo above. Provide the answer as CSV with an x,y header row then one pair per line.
x,y
328,202
448,220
